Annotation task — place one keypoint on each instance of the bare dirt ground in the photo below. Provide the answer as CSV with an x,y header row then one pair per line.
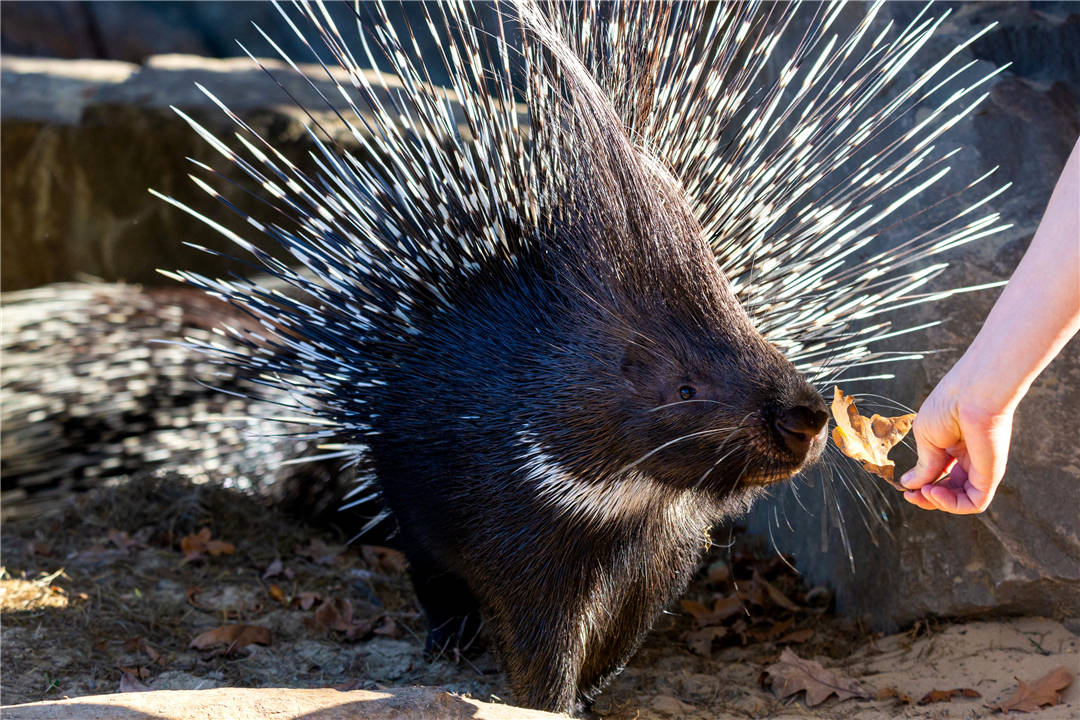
x,y
108,591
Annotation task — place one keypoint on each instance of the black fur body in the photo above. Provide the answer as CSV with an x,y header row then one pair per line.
x,y
521,443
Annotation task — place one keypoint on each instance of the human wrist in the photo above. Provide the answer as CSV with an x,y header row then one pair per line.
x,y
982,384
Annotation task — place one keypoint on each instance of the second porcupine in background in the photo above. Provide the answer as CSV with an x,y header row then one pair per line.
x,y
537,337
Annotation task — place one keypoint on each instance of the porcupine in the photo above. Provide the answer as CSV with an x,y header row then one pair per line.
x,y
527,331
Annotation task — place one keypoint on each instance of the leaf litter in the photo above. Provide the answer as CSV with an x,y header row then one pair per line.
x,y
125,618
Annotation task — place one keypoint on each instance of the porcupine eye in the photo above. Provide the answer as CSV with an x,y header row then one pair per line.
x,y
686,392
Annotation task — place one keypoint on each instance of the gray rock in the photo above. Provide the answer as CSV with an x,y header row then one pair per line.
x,y
1023,554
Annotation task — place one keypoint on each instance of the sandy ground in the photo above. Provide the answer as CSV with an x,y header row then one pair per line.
x,y
97,596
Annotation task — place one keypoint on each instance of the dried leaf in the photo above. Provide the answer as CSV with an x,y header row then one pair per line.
x,y
798,636
220,547
722,609
936,696
1044,691
337,614
130,683
278,594
195,546
233,637
777,597
891,692
384,559
868,440
792,674
700,641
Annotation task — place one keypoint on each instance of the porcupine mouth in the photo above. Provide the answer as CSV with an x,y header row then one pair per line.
x,y
777,463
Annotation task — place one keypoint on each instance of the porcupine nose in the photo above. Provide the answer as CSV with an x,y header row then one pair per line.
x,y
799,425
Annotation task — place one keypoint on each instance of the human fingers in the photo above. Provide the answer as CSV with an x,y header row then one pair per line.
x,y
933,461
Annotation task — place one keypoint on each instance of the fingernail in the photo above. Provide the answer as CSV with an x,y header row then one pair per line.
x,y
906,477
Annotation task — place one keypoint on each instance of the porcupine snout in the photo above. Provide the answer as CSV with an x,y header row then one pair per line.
x,y
800,426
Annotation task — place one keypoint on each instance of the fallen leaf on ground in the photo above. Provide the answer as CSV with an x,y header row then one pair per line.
x,y
130,683
138,673
384,559
700,641
139,644
278,594
337,614
868,440
722,609
233,637
936,696
777,597
792,674
1044,691
195,546
891,692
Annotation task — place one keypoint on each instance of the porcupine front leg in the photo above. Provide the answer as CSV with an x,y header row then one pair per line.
x,y
541,646
452,612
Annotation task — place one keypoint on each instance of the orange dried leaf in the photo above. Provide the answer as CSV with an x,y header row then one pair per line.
x,y
1044,691
792,674
936,696
234,637
220,547
384,559
722,609
278,594
891,692
798,636
195,546
868,440
777,597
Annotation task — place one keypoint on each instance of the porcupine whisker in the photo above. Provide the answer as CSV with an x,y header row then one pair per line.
x,y
741,426
692,400
669,443
716,464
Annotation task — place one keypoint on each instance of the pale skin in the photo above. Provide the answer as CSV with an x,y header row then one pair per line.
x,y
964,426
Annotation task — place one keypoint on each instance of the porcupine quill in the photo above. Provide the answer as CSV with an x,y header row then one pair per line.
x,y
786,240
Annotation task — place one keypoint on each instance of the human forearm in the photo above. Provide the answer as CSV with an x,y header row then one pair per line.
x,y
1038,311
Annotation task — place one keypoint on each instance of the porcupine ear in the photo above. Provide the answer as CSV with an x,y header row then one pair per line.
x,y
767,164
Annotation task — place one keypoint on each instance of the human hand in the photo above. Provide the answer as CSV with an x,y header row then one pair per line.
x,y
956,435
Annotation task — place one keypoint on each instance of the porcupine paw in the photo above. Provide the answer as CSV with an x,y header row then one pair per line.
x,y
454,636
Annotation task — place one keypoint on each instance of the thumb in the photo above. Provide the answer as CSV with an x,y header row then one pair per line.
x,y
933,461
